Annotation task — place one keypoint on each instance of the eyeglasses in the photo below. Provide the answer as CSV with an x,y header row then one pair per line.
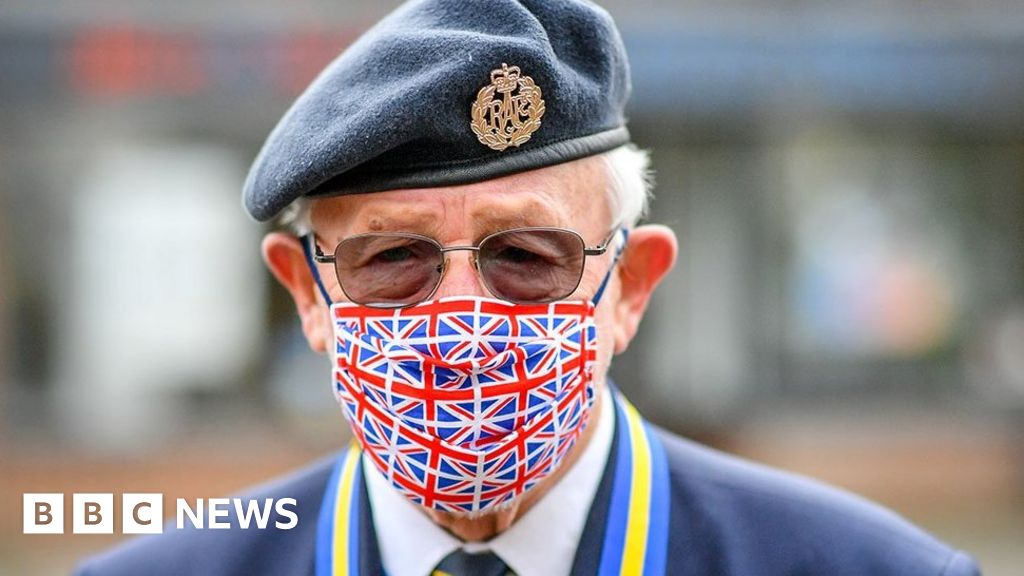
x,y
522,265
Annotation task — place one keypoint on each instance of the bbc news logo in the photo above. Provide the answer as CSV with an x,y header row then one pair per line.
x,y
143,513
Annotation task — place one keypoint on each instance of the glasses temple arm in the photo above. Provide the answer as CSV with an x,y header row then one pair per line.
x,y
615,260
309,240
311,259
603,246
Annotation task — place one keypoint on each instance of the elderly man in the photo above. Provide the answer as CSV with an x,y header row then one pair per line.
x,y
463,201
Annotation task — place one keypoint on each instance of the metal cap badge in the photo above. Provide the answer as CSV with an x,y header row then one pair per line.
x,y
512,117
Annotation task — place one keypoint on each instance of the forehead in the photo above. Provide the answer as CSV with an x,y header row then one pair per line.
x,y
572,195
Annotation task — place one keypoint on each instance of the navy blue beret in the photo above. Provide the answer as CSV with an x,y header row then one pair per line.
x,y
447,92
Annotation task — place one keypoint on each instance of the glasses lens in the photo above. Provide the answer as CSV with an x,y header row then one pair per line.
x,y
388,270
532,265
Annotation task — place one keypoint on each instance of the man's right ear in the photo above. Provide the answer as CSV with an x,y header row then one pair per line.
x,y
284,257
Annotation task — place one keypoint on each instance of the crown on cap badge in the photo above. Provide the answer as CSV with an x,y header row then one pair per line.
x,y
512,117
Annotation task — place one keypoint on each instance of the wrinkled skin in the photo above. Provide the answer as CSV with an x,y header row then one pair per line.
x,y
569,195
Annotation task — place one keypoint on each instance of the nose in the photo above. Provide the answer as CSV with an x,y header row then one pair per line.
x,y
460,277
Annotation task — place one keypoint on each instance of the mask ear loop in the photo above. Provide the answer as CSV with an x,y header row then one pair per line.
x,y
307,241
608,275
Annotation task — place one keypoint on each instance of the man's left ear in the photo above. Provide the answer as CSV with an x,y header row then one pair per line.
x,y
649,255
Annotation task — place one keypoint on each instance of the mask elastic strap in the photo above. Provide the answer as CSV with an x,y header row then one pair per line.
x,y
306,242
608,275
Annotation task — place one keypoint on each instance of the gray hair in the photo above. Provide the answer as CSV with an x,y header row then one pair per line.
x,y
629,191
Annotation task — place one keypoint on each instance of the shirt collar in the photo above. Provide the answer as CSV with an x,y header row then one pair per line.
x,y
414,545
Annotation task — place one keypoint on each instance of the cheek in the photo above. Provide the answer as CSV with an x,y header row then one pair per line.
x,y
604,319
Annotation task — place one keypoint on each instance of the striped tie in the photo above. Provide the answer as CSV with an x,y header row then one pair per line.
x,y
462,563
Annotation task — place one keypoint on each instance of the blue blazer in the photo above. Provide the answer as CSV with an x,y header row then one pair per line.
x,y
728,517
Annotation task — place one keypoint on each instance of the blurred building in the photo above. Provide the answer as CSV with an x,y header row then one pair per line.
x,y
846,182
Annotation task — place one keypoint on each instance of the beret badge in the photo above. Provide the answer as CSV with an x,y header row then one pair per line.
x,y
508,110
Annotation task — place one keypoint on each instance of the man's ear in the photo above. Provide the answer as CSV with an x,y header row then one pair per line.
x,y
649,255
284,257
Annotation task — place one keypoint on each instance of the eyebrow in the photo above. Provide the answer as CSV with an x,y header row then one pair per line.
x,y
485,220
421,221
531,214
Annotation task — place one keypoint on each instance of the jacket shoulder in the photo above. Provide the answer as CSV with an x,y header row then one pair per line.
x,y
234,550
732,516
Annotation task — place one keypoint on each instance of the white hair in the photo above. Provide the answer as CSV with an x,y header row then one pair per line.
x,y
629,191
630,183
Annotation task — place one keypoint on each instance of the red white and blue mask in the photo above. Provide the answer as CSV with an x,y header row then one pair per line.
x,y
465,403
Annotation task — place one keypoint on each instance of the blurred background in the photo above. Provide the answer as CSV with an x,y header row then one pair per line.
x,y
846,180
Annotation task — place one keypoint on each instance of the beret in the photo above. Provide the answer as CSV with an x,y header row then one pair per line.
x,y
448,92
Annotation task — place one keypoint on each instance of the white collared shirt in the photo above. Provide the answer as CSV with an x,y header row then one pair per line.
x,y
542,542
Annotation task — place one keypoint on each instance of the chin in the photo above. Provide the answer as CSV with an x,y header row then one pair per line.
x,y
462,515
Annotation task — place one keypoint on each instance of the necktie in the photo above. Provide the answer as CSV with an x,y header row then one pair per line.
x,y
462,563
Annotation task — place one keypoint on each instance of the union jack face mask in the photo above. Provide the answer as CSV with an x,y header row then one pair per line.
x,y
465,403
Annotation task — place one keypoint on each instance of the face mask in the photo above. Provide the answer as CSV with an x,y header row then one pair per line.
x,y
465,403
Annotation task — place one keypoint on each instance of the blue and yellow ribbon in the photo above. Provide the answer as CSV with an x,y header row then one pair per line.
x,y
636,537
636,533
337,543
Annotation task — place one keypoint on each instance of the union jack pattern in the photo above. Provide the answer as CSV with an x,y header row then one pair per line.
x,y
465,403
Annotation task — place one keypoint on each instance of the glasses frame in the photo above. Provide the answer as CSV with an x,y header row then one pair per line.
x,y
442,267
